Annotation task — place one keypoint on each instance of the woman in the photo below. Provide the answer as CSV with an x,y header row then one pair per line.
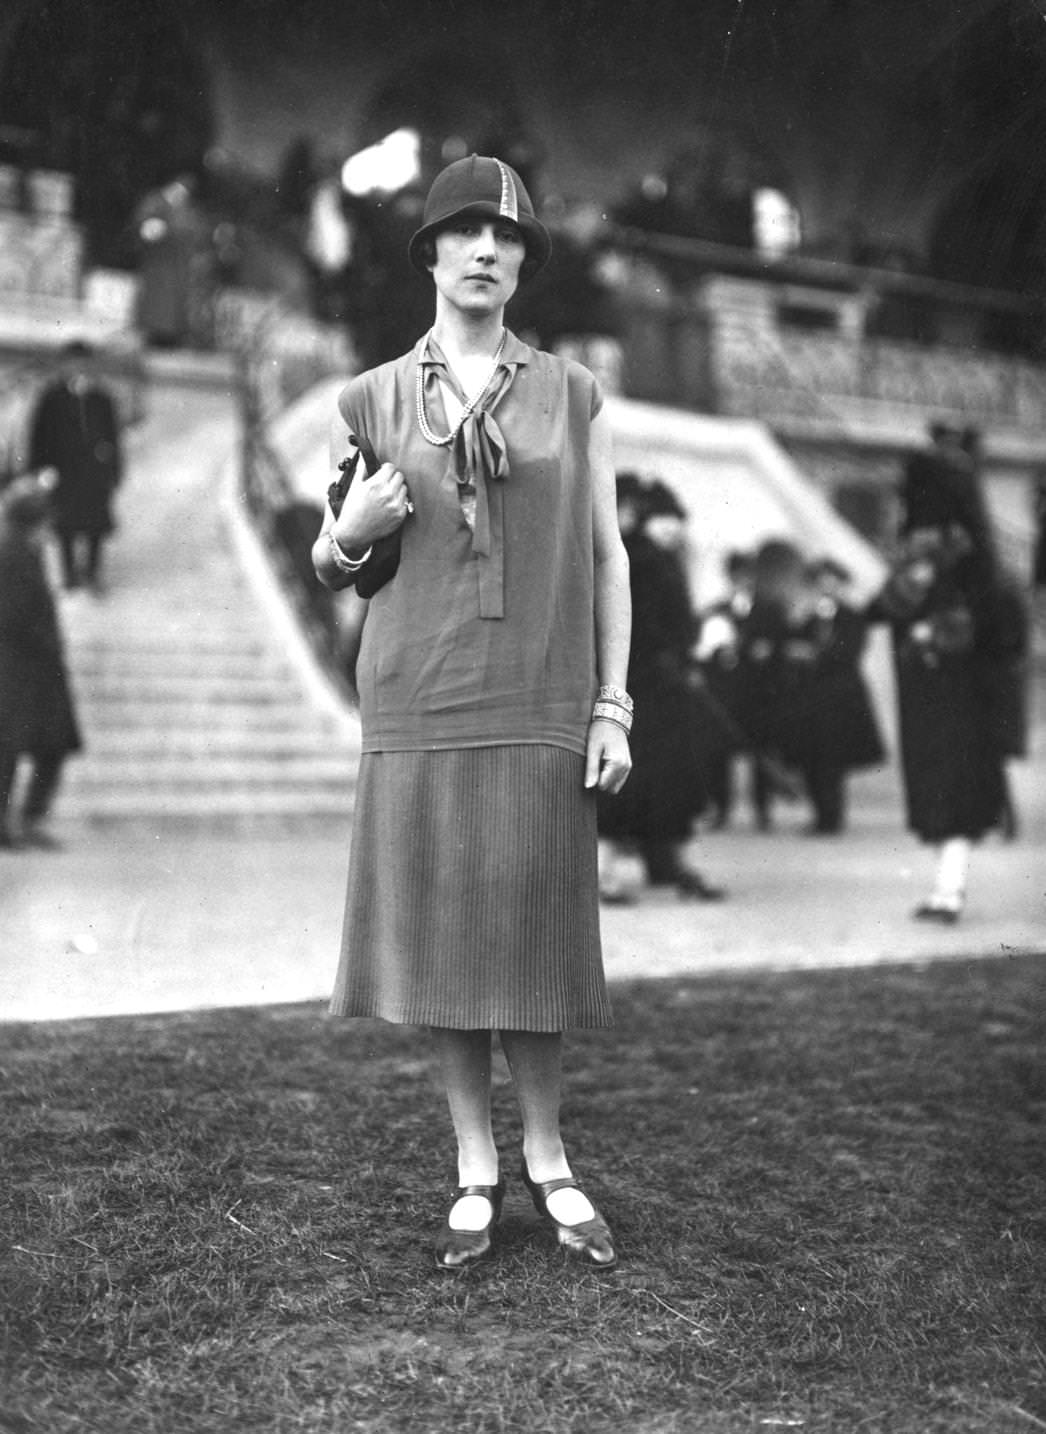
x,y
776,659
678,739
37,714
946,606
843,732
718,654
491,678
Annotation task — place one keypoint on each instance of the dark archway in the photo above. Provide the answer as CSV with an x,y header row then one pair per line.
x,y
459,99
991,229
116,95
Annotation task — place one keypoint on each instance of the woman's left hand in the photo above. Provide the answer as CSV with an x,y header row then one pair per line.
x,y
608,761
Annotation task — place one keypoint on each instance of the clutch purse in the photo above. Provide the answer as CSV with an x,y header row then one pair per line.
x,y
384,559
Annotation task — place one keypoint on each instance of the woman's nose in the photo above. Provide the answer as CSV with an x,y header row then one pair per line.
x,y
486,245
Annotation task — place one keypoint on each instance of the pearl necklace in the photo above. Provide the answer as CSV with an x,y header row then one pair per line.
x,y
423,422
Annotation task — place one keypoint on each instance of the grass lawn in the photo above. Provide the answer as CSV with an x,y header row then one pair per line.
x,y
828,1192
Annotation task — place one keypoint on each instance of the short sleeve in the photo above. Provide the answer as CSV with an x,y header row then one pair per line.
x,y
350,405
583,388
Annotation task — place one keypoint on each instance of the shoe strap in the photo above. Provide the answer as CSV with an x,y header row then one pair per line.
x,y
488,1192
549,1187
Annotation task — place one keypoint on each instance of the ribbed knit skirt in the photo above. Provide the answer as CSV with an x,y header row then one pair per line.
x,y
472,896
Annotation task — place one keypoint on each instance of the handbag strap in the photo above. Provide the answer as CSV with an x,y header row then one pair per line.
x,y
361,450
366,452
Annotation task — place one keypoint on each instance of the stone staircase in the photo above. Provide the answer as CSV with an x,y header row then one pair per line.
x,y
193,700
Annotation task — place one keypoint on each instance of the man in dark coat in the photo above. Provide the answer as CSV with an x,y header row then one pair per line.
x,y
75,430
37,718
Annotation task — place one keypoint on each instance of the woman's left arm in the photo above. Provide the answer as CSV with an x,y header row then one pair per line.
x,y
609,761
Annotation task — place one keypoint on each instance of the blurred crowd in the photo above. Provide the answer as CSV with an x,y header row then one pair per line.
x,y
756,700
760,698
764,694
760,695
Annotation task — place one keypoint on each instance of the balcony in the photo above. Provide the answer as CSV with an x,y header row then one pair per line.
x,y
845,365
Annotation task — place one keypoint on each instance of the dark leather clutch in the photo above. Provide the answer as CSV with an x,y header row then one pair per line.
x,y
385,555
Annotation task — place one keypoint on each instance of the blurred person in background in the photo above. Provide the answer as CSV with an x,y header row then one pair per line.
x,y
75,429
843,733
954,632
491,679
175,265
718,654
37,717
777,657
1006,672
1039,566
674,740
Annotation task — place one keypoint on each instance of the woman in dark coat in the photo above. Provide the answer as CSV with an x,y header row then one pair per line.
x,y
945,603
673,737
75,430
37,718
775,674
718,656
843,731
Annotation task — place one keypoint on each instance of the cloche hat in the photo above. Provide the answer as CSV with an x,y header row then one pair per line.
x,y
483,185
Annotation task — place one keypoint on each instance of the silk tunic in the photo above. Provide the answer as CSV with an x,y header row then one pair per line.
x,y
433,672
472,896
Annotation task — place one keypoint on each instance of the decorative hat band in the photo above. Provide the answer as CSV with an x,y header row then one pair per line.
x,y
508,206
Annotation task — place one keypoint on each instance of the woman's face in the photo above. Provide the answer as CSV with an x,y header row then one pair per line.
x,y
478,262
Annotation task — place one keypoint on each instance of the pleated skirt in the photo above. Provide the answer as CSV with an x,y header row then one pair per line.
x,y
472,898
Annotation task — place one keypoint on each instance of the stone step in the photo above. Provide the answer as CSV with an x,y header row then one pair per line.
x,y
189,690
191,368
140,744
151,639
146,625
212,773
204,803
255,720
120,664
192,700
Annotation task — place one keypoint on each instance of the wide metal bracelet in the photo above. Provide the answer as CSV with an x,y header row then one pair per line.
x,y
615,694
613,712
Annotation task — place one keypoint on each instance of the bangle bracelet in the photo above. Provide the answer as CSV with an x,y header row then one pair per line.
x,y
611,702
612,712
341,559
615,694
605,717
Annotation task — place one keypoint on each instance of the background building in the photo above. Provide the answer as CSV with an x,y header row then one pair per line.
x,y
830,215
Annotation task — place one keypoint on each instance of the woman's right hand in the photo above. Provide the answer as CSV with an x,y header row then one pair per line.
x,y
374,507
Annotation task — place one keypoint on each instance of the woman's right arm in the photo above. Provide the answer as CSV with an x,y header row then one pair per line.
x,y
374,507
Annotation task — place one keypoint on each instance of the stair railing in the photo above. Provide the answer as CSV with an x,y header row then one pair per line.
x,y
272,374
16,386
